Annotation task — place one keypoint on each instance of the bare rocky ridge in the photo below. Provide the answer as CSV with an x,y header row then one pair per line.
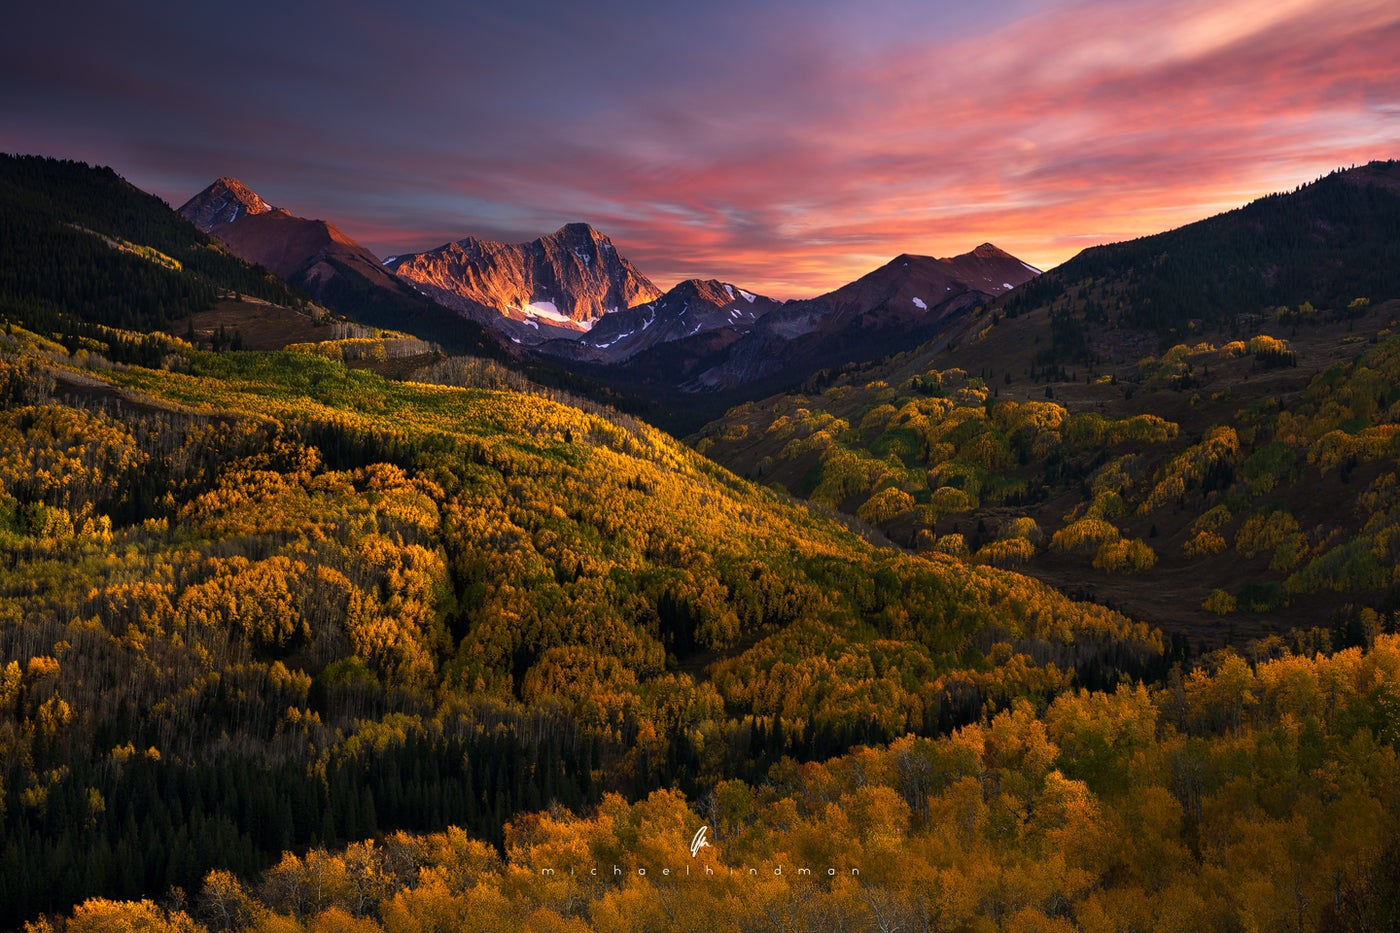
x,y
556,286
706,336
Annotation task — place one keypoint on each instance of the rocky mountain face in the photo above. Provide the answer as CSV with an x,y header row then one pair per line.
x,y
707,312
905,302
557,286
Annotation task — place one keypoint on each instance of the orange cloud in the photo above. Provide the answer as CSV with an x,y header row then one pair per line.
x,y
1085,124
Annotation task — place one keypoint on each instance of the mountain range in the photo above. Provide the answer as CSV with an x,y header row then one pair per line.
x,y
571,296
895,307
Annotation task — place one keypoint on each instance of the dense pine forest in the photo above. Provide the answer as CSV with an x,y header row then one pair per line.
x,y
289,645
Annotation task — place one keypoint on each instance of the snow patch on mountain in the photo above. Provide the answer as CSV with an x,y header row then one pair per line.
x,y
547,311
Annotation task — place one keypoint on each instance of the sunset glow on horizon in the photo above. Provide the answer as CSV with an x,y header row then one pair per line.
x,y
786,147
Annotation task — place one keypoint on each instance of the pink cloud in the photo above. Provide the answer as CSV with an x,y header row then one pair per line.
x,y
1087,123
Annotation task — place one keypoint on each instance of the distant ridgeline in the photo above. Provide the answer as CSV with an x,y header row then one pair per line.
x,y
1327,244
86,250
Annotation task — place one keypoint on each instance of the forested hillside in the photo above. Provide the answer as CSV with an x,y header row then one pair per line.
x,y
260,601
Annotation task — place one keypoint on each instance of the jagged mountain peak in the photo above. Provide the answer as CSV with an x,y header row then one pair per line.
x,y
236,186
716,313
559,284
580,230
584,241
712,290
223,202
713,296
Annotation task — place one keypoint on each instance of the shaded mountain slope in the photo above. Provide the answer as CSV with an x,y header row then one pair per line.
x,y
223,202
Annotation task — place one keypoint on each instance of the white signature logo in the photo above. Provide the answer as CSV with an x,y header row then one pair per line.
x,y
698,841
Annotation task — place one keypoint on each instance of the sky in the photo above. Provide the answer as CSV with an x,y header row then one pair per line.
x,y
787,146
